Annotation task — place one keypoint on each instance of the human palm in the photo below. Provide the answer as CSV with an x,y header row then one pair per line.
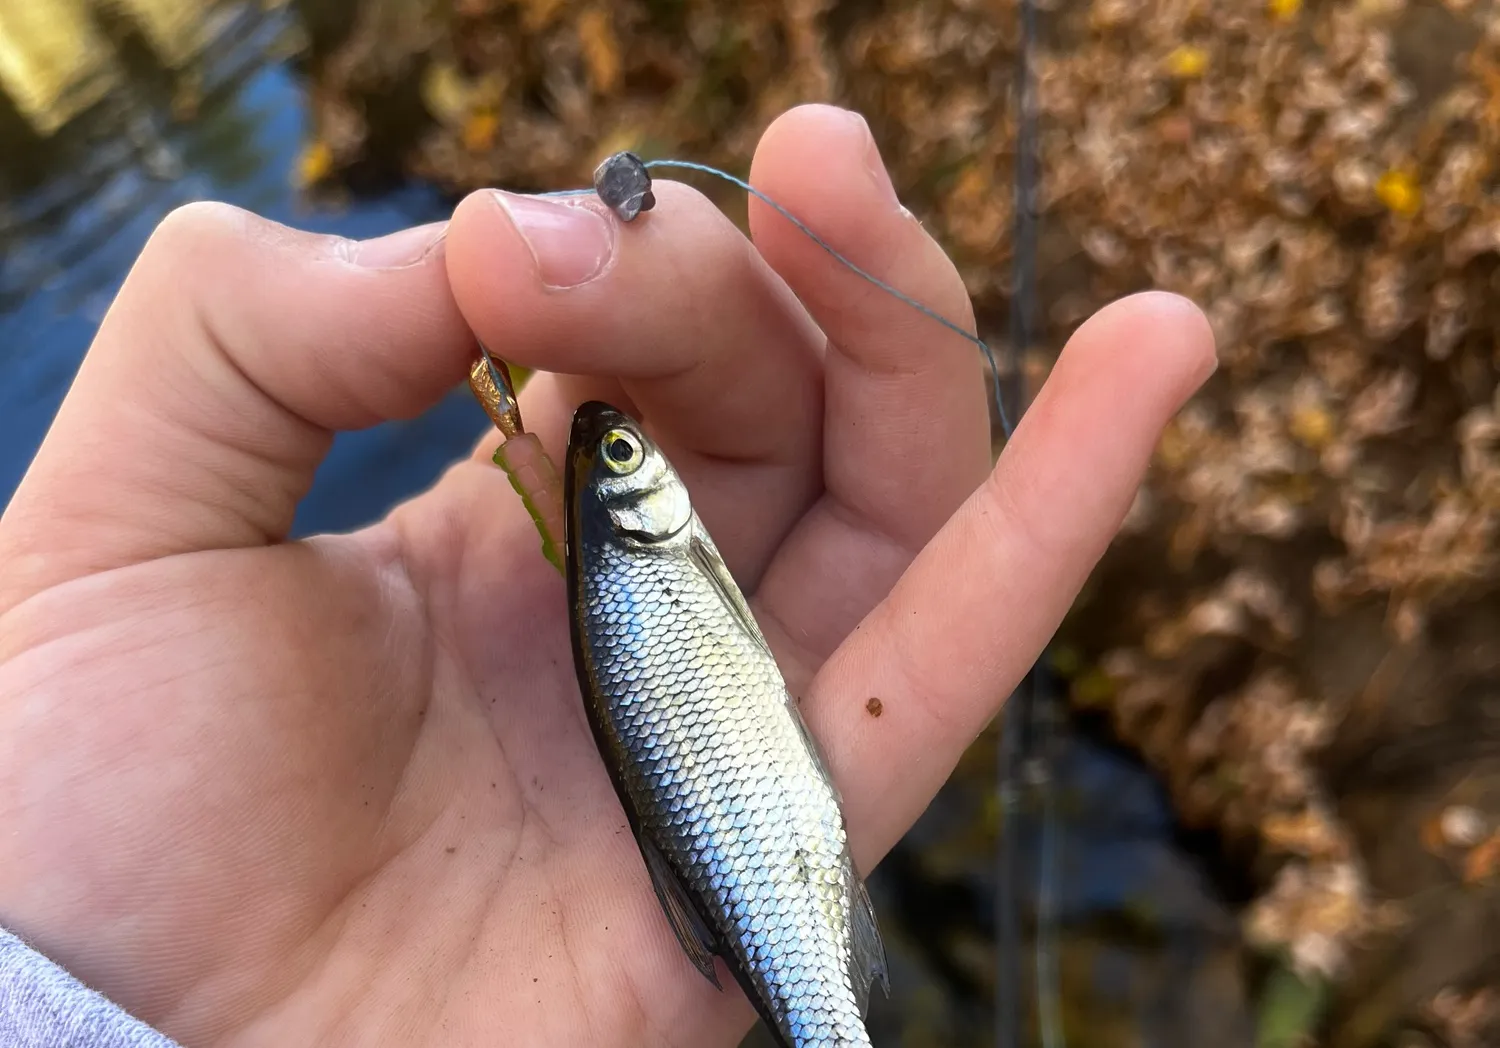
x,y
342,791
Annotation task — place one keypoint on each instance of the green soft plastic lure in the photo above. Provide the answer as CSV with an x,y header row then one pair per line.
x,y
521,456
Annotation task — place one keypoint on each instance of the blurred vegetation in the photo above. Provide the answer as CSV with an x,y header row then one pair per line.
x,y
112,113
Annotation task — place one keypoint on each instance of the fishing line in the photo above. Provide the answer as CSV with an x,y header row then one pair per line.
x,y
1007,909
1048,988
615,186
1028,732
1029,729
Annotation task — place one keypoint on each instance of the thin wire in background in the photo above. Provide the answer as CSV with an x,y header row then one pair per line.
x,y
1029,736
894,292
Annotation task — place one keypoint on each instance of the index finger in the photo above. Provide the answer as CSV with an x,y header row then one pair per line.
x,y
709,344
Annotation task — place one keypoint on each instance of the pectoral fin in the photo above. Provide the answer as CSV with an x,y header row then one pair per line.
x,y
869,951
706,556
689,928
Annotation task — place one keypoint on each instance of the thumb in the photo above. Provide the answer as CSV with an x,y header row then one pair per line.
x,y
209,396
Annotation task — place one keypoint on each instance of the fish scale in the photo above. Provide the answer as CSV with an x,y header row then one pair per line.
x,y
710,758
692,731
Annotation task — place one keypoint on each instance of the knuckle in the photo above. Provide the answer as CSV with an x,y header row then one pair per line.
x,y
701,218
203,221
684,198
189,237
1009,510
722,254
188,253
717,239
223,232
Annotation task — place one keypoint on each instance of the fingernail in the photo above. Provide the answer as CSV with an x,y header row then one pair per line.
x,y
572,244
873,162
399,250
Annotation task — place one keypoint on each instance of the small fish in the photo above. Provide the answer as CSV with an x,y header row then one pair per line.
x,y
731,803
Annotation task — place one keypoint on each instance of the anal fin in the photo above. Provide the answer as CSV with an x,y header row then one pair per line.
x,y
682,915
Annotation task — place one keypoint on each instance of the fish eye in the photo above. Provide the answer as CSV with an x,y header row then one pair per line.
x,y
621,450
621,453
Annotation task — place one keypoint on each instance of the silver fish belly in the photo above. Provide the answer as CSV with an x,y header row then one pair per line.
x,y
737,820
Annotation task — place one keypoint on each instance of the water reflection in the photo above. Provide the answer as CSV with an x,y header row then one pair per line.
x,y
1148,953
112,114
203,100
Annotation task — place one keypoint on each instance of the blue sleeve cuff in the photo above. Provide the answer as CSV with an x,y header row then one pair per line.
x,y
42,1006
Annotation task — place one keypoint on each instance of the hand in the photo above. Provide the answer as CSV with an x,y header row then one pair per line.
x,y
341,791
